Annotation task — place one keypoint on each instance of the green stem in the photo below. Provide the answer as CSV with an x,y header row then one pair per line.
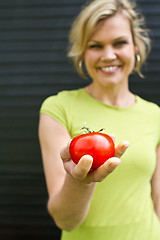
x,y
87,130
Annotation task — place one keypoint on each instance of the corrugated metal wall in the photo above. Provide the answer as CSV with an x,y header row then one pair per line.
x,y
33,65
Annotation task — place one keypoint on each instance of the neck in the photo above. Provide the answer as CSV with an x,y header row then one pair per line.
x,y
120,97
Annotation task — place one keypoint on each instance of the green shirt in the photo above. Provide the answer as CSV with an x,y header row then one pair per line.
x,y
121,206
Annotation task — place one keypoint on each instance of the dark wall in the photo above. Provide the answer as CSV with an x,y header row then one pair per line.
x,y
33,65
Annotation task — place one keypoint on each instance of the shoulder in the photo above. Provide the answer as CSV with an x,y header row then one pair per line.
x,y
61,106
62,97
148,106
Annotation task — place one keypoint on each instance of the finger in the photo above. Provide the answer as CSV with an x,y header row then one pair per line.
x,y
113,137
69,166
121,148
81,170
104,170
65,155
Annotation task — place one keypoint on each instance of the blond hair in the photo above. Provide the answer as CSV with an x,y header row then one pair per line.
x,y
85,23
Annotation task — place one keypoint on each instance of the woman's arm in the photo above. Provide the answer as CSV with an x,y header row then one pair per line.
x,y
155,183
70,187
68,199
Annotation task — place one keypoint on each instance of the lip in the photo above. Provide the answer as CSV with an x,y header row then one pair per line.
x,y
109,69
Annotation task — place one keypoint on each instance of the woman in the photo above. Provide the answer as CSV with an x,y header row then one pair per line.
x,y
121,199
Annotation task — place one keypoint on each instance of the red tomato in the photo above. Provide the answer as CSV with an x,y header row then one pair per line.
x,y
99,145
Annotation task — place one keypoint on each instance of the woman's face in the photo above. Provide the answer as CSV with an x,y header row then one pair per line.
x,y
110,53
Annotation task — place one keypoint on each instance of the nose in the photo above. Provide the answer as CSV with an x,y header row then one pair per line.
x,y
108,54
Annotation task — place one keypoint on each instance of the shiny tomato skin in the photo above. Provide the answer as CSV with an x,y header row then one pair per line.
x,y
99,145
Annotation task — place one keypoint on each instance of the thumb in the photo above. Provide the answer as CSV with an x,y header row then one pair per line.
x,y
65,155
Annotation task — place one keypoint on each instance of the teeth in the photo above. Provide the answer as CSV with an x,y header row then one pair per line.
x,y
109,69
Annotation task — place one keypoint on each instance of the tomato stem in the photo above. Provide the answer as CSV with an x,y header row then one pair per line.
x,y
87,130
101,130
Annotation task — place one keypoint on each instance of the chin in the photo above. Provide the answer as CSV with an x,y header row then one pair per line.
x,y
109,82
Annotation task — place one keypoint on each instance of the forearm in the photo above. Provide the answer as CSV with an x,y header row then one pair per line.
x,y
70,206
157,207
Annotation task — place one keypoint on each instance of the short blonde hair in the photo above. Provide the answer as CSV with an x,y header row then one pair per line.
x,y
85,23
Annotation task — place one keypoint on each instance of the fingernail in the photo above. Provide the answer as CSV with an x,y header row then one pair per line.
x,y
116,162
126,144
87,163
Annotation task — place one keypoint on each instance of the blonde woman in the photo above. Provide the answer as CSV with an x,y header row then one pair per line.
x,y
121,199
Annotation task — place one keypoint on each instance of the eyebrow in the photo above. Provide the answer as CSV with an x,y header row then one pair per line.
x,y
116,39
94,41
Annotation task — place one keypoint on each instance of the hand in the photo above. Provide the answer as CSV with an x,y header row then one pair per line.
x,y
81,172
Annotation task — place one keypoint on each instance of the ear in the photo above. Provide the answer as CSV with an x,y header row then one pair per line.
x,y
136,49
83,56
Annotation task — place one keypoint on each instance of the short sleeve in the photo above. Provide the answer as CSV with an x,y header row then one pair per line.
x,y
53,107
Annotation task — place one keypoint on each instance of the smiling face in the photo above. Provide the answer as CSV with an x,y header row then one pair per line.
x,y
110,53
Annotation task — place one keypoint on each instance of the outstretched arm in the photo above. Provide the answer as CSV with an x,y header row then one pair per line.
x,y
70,186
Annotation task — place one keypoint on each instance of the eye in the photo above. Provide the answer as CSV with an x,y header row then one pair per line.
x,y
95,46
120,43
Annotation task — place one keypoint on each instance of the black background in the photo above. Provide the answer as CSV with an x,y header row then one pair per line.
x,y
33,65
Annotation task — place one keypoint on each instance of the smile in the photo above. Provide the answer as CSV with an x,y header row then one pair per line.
x,y
109,69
